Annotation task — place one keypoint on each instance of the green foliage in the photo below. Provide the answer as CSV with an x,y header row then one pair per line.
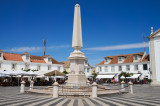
x,y
65,72
125,74
35,70
30,70
94,75
27,70
149,80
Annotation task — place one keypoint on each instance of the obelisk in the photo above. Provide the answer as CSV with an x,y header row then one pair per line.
x,y
77,58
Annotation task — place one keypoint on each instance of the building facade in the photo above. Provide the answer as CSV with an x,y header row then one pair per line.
x,y
25,61
154,50
136,63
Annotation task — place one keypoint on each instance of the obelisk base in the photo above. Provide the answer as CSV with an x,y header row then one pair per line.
x,y
77,79
77,75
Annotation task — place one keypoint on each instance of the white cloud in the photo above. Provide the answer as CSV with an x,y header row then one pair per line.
x,y
25,49
118,47
60,46
34,49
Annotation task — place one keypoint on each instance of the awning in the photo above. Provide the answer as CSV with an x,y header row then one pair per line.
x,y
58,77
89,76
105,76
122,77
134,76
54,73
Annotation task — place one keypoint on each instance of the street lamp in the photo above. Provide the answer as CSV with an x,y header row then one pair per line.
x,y
55,76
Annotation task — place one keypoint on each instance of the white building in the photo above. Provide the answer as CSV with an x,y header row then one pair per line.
x,y
154,50
112,66
87,68
25,61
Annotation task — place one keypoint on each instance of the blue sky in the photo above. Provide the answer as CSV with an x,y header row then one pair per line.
x,y
109,27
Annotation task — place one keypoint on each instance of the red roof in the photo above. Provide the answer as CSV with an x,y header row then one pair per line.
x,y
12,57
146,58
18,57
37,59
128,58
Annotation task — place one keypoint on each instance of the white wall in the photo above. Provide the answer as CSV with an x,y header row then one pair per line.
x,y
157,57
140,68
7,65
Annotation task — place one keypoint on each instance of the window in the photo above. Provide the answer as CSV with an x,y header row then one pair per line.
x,y
136,67
87,70
145,67
13,66
106,68
85,62
39,67
127,67
120,68
59,68
136,57
106,60
112,68
26,66
27,57
50,59
100,69
119,58
49,67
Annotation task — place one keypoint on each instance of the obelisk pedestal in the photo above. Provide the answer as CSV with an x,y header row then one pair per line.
x,y
77,58
77,75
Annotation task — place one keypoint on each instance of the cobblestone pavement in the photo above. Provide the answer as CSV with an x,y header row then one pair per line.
x,y
143,95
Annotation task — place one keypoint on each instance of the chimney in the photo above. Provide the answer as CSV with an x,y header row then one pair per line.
x,y
151,30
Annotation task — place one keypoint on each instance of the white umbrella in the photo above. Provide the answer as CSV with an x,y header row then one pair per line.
x,y
11,73
22,73
3,75
31,73
122,77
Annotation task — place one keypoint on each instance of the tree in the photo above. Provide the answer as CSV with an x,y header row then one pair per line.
x,y
65,72
125,74
94,76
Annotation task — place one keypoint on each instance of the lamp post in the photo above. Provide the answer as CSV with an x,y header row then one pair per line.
x,y
55,76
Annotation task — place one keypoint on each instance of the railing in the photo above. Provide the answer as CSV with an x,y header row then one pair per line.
x,y
115,86
70,89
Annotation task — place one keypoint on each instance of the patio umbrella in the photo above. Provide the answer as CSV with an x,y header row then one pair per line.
x,y
53,73
3,75
11,73
31,73
122,77
22,73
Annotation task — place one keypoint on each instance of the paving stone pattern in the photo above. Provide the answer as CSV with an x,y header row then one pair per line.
x,y
144,95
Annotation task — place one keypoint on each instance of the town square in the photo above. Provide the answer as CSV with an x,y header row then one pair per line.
x,y
79,53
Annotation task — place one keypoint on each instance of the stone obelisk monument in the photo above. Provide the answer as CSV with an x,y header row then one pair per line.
x,y
77,58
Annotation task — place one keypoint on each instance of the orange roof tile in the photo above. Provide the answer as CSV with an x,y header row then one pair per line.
x,y
146,58
128,58
66,63
18,57
37,59
101,63
55,61
12,56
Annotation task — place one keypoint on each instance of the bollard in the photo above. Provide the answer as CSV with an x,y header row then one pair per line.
x,y
122,86
22,87
131,87
31,85
55,90
94,90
